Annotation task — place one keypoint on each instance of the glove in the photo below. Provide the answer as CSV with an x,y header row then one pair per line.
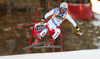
x,y
79,31
42,21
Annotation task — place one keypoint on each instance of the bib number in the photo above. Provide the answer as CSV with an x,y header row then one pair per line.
x,y
59,18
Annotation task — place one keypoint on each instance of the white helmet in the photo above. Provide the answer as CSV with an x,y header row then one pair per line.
x,y
64,6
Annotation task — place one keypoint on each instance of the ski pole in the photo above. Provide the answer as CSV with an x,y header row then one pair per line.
x,y
21,25
66,34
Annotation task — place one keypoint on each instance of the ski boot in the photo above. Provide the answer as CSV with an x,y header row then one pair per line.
x,y
49,43
36,40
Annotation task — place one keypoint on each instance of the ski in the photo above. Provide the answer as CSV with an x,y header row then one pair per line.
x,y
31,46
56,46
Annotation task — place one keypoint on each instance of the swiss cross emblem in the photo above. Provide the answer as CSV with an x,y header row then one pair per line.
x,y
64,5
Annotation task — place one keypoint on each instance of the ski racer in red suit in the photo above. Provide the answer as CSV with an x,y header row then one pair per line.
x,y
58,16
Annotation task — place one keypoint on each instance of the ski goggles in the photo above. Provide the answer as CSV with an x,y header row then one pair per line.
x,y
63,8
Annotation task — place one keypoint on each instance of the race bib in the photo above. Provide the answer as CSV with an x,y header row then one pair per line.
x,y
59,18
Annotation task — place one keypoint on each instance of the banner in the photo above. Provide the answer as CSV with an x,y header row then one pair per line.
x,y
80,11
38,28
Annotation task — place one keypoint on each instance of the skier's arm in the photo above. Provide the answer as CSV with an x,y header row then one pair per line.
x,y
47,15
71,20
79,31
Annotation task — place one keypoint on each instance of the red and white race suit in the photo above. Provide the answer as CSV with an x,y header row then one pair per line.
x,y
55,22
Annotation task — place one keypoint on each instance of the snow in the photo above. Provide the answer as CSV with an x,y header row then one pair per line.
x,y
96,22
6,29
81,54
96,6
96,9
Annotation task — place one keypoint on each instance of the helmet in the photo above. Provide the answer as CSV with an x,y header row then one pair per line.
x,y
64,6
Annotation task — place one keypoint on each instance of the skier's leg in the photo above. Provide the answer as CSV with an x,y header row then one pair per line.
x,y
57,32
41,35
43,32
55,35
36,40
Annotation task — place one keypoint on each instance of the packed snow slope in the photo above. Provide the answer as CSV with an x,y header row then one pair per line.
x,y
82,54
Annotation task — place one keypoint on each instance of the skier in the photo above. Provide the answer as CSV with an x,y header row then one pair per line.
x,y
59,15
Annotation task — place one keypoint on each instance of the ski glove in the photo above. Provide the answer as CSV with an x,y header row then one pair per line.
x,y
79,31
42,21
